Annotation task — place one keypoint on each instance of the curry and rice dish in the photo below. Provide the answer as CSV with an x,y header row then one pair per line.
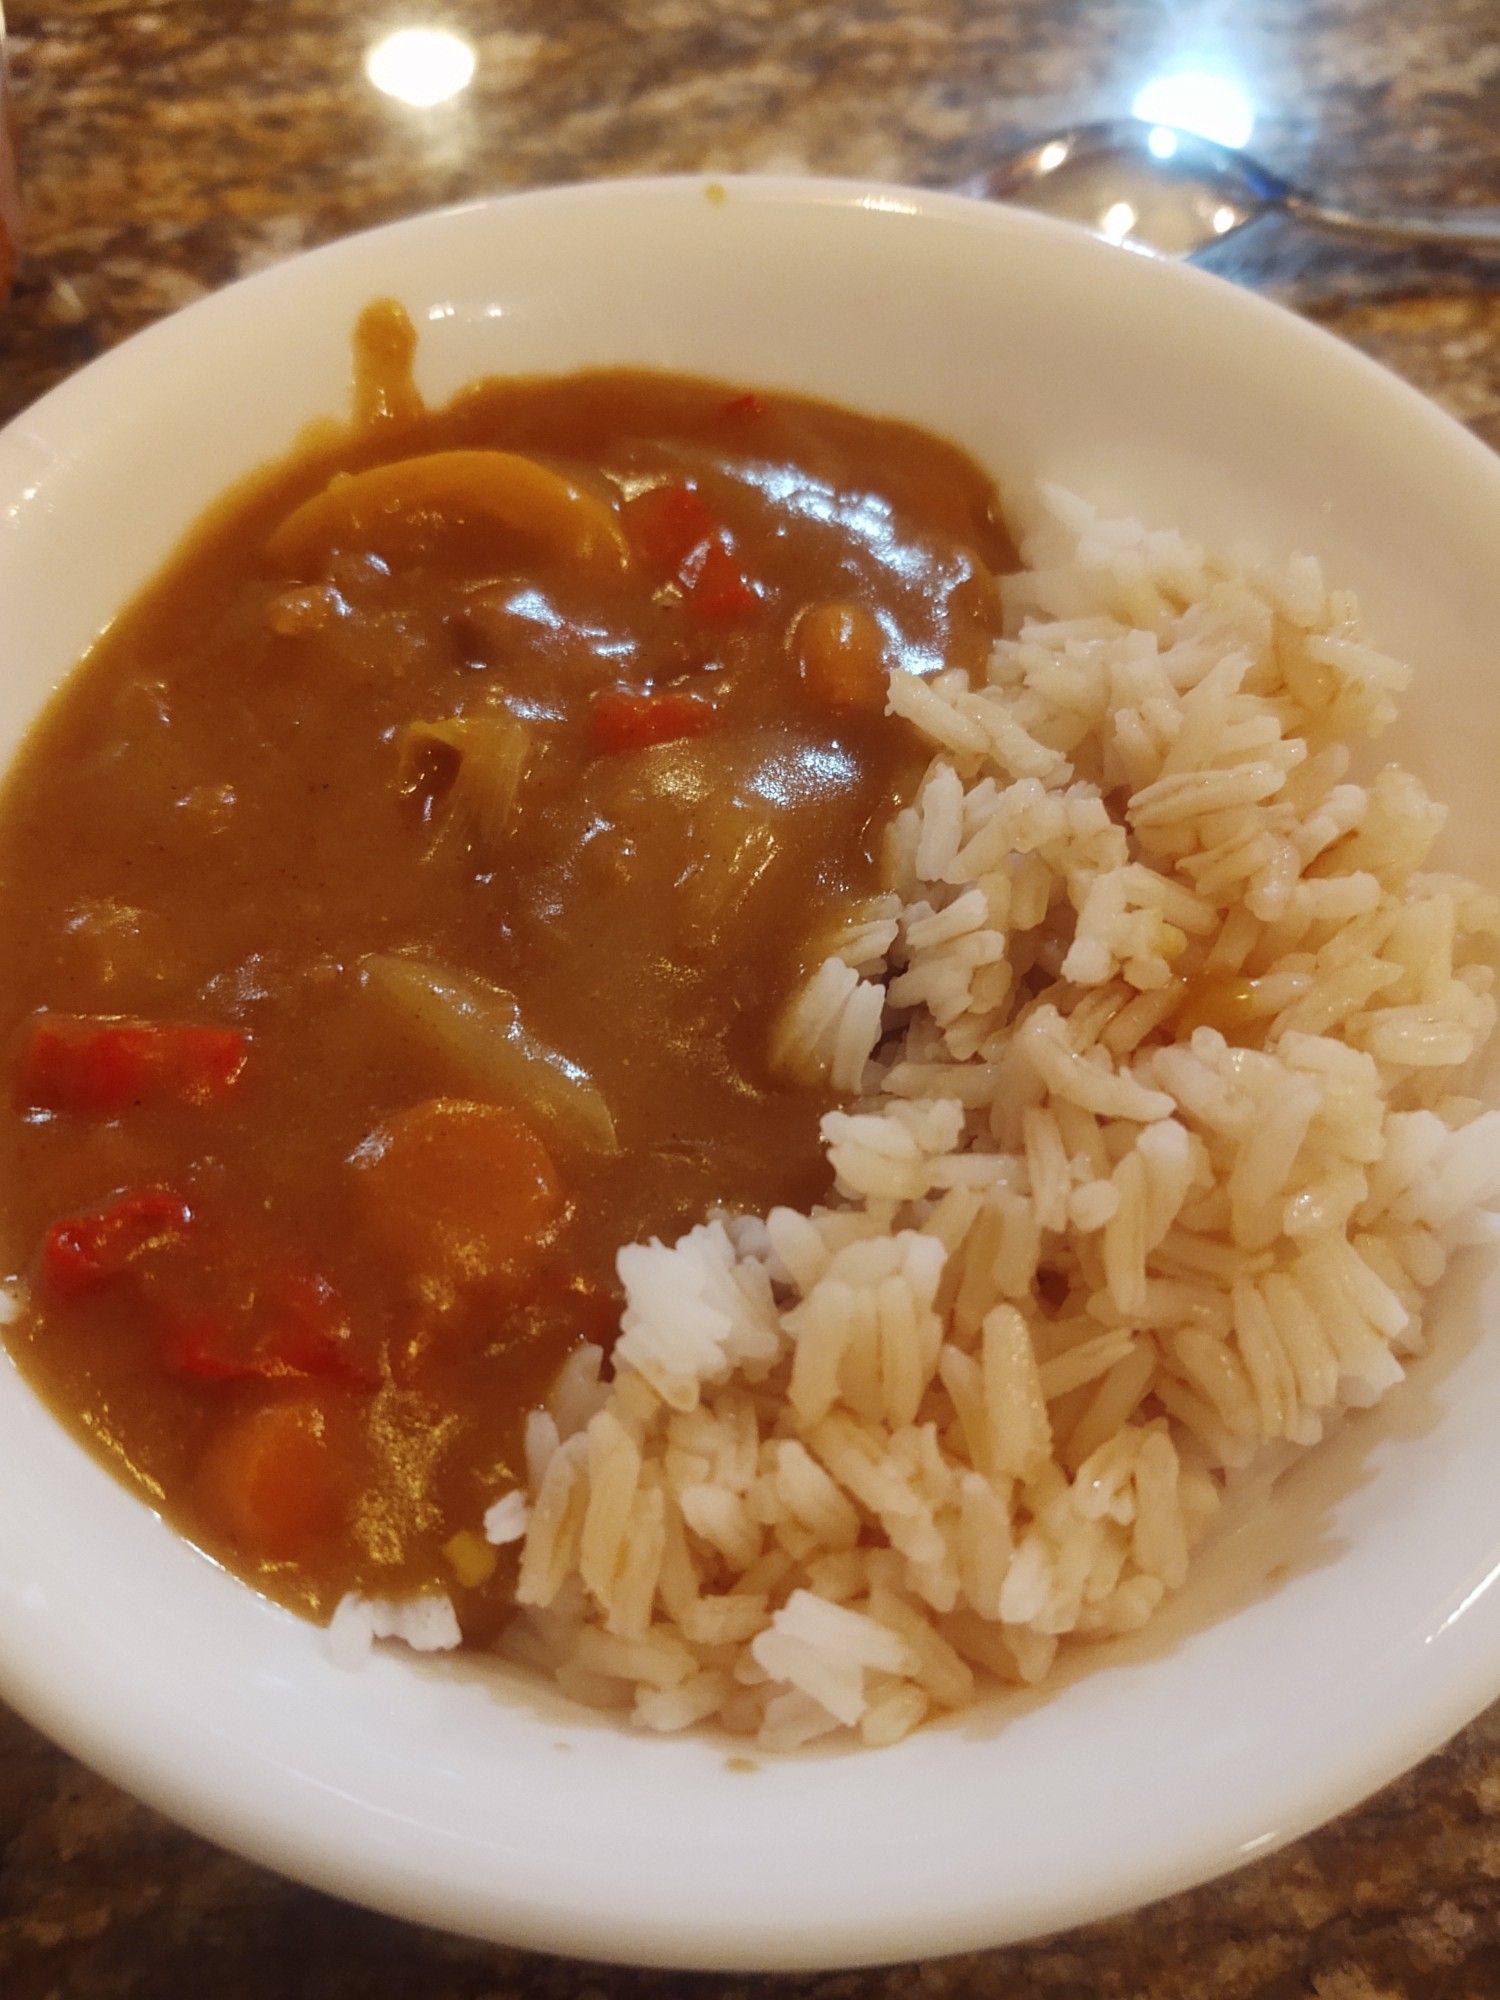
x,y
629,1043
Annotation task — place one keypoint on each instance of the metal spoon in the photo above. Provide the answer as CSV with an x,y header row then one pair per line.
x,y
1171,194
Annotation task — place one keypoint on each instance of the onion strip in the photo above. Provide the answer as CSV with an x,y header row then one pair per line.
x,y
477,1029
502,488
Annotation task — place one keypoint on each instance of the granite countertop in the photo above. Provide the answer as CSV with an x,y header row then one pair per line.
x,y
168,148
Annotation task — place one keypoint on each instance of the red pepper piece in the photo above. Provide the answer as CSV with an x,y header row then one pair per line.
x,y
203,1349
623,720
73,1062
293,1328
676,536
84,1252
308,1331
750,404
714,588
665,524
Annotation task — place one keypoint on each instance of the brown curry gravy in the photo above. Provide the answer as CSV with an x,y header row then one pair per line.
x,y
219,820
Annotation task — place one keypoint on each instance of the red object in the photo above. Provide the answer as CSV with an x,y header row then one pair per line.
x,y
292,1327
666,523
310,1331
84,1252
274,1323
623,720
77,1062
713,586
748,405
677,538
201,1349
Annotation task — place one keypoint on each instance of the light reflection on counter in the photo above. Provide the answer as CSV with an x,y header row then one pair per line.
x,y
421,67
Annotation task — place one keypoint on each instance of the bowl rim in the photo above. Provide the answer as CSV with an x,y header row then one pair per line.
x,y
1463,1674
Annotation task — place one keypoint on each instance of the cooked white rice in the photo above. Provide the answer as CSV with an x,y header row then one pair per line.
x,y
507,1520
428,1624
1155,1147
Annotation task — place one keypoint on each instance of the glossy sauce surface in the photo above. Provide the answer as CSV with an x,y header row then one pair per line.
x,y
400,901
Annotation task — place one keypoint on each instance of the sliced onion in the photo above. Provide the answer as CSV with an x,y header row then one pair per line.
x,y
477,1028
492,751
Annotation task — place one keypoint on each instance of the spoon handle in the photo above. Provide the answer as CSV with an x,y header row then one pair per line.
x,y
1458,228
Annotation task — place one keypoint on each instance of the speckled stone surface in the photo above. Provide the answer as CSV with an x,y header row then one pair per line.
x,y
150,177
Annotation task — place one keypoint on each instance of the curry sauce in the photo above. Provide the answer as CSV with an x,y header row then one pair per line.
x,y
400,901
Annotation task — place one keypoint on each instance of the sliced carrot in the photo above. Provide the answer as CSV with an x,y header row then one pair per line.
x,y
621,719
841,656
740,408
461,1194
271,1481
103,1065
497,488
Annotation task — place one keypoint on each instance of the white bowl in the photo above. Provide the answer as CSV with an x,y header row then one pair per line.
x,y
1340,1633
